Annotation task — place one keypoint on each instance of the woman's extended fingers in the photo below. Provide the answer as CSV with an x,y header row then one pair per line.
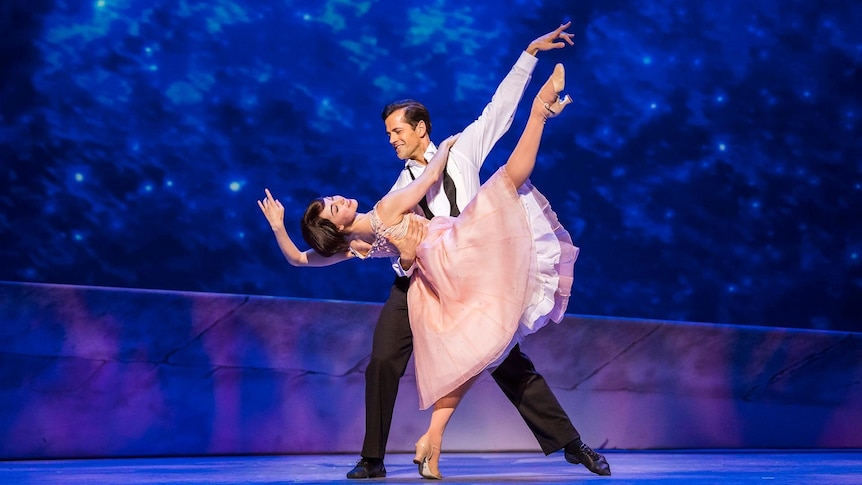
x,y
452,139
269,199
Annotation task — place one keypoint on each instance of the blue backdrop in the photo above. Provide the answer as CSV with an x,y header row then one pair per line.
x,y
709,168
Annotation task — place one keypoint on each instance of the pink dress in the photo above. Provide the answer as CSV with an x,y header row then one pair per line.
x,y
483,280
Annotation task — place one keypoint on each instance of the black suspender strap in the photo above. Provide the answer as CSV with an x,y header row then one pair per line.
x,y
448,189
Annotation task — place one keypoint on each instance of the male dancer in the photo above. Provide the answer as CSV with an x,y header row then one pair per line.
x,y
408,125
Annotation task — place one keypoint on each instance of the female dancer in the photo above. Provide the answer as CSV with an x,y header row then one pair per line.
x,y
483,280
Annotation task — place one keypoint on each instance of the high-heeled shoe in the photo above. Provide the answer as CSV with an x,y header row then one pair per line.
x,y
427,460
556,82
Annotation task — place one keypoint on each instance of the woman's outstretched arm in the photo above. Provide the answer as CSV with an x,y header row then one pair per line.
x,y
274,213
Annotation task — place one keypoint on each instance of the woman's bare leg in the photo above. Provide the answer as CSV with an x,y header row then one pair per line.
x,y
547,104
429,444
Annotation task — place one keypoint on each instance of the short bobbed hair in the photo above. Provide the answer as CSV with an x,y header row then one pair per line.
x,y
321,234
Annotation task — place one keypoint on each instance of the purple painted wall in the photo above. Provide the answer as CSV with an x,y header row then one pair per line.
x,y
90,372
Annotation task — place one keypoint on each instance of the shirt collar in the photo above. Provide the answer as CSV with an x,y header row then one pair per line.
x,y
429,153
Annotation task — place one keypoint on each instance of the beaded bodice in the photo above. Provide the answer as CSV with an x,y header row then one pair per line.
x,y
381,247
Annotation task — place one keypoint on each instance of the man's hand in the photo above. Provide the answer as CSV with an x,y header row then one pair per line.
x,y
417,228
552,40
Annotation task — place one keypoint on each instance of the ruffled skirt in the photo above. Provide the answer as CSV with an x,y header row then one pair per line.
x,y
498,272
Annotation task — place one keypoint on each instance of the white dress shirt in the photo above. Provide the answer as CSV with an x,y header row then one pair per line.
x,y
470,151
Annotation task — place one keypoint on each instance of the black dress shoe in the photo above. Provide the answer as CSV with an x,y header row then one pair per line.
x,y
368,468
579,453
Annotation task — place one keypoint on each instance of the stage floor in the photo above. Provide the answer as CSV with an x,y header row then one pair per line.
x,y
729,467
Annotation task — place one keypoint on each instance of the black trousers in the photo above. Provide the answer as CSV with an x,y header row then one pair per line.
x,y
517,377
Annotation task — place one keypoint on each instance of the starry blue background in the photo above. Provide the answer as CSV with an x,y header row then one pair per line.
x,y
709,168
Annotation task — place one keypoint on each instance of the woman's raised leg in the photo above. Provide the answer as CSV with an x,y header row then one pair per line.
x,y
547,104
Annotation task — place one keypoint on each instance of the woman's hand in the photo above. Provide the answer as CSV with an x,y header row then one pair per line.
x,y
448,142
272,210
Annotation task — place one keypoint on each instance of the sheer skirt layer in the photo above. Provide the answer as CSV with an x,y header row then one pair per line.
x,y
499,271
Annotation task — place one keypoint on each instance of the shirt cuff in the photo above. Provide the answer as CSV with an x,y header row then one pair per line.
x,y
527,61
396,266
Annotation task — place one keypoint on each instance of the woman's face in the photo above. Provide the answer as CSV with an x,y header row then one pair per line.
x,y
339,210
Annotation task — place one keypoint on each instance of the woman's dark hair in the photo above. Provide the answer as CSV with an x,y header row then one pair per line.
x,y
414,112
322,235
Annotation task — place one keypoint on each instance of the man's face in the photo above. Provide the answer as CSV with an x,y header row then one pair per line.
x,y
406,140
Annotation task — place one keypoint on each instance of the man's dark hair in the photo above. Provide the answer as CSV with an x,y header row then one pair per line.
x,y
321,234
414,112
